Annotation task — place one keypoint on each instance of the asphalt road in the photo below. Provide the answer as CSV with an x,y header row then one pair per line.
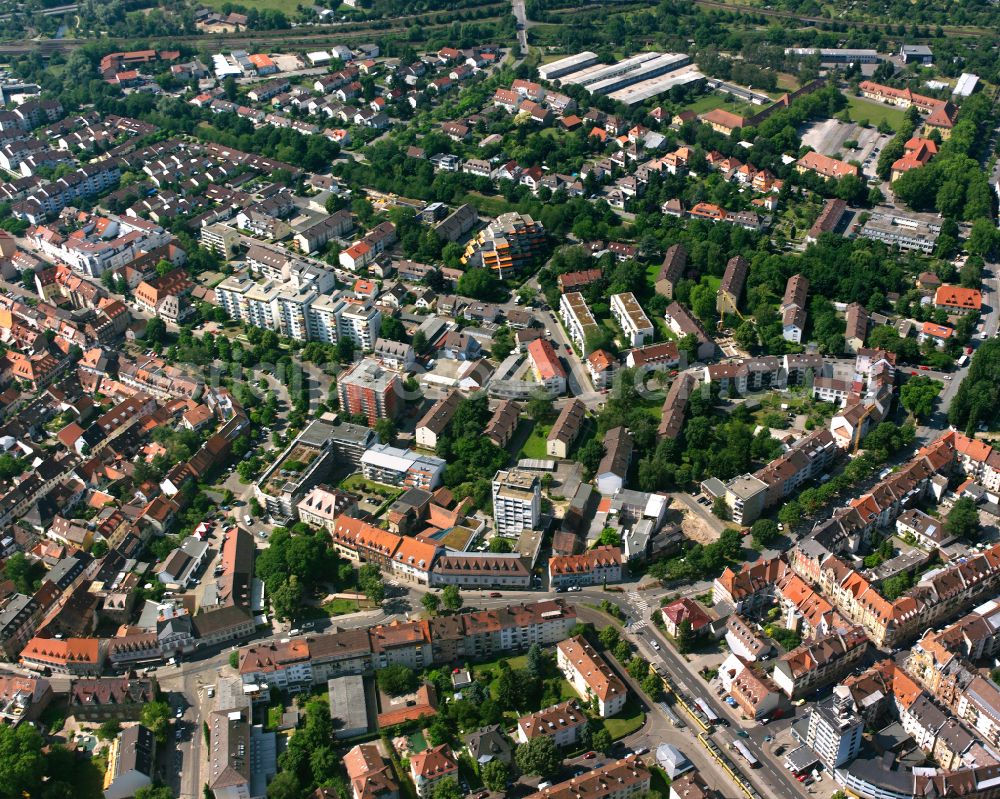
x,y
771,779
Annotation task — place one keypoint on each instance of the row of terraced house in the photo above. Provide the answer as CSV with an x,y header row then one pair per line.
x,y
300,663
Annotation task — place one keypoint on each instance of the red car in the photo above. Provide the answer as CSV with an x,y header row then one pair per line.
x,y
590,755
496,595
925,368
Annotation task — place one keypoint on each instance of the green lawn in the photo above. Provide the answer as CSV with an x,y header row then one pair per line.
x,y
535,445
260,5
710,102
628,721
274,714
712,281
517,662
862,109
489,206
338,607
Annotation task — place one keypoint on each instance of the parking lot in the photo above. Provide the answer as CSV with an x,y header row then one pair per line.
x,y
829,137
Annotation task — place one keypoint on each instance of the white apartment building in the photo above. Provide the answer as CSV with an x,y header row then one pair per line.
x,y
390,465
250,302
359,321
517,501
300,311
292,312
576,315
631,318
834,731
324,321
591,676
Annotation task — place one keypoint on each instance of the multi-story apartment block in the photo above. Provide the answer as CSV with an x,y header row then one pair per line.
x,y
517,501
793,308
301,466
819,662
562,724
624,779
506,245
382,463
474,570
598,566
834,730
546,367
591,676
628,313
368,389
728,297
579,321
469,636
360,321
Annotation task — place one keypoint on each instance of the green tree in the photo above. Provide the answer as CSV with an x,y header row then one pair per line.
x,y
685,637
918,394
155,716
790,514
446,789
285,785
763,533
451,597
963,520
720,508
397,679
983,238
22,764
703,303
480,284
536,661
109,729
370,581
286,601
539,756
154,791
609,537
609,637
652,685
495,775
540,407
386,430
689,346
431,603
601,741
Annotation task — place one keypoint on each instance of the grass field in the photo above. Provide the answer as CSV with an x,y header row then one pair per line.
x,y
710,102
535,445
260,5
712,281
628,721
490,206
862,109
338,607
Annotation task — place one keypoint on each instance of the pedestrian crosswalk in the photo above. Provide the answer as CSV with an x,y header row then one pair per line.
x,y
637,601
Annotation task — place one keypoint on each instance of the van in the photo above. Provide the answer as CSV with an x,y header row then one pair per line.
x,y
296,631
544,784
247,520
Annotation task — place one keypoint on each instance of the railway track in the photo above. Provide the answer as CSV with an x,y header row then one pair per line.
x,y
965,31
286,36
